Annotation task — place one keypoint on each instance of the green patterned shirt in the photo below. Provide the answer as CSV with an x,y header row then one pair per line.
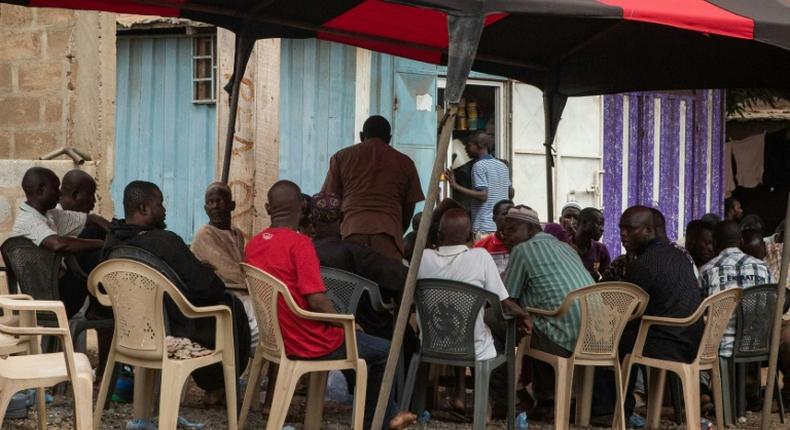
x,y
540,273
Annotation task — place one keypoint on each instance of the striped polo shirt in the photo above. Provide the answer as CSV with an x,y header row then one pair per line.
x,y
492,175
540,273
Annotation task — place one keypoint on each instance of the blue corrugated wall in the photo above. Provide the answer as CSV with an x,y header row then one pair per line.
x,y
317,88
161,136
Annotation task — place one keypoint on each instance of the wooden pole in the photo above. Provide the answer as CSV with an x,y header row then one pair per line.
x,y
404,312
244,46
777,328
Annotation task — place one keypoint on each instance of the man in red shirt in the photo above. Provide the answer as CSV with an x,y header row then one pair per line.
x,y
290,256
493,242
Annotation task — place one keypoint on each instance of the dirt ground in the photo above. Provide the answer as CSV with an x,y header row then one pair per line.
x,y
336,415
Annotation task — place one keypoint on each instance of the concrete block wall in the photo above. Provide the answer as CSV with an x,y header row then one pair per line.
x,y
37,73
57,89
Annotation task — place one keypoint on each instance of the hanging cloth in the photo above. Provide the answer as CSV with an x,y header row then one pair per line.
x,y
777,159
749,156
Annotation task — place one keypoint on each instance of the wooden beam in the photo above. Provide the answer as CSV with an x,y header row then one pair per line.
x,y
777,327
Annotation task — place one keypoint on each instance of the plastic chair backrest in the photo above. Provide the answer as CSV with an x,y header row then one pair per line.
x,y
345,289
606,308
719,309
447,311
754,320
32,269
136,292
264,290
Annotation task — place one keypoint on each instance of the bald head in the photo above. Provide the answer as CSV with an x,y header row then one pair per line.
x,y
78,191
726,234
455,228
41,188
637,228
285,204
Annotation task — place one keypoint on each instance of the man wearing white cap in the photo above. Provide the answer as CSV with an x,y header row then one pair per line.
x,y
569,217
541,272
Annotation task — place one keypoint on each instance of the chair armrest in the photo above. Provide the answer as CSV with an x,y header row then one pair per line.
x,y
544,312
22,304
18,296
74,266
650,320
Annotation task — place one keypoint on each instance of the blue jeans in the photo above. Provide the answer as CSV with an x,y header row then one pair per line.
x,y
374,351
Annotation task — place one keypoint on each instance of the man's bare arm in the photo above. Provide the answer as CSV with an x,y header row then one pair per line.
x,y
57,243
481,195
319,302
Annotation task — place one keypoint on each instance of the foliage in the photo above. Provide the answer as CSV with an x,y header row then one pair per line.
x,y
741,100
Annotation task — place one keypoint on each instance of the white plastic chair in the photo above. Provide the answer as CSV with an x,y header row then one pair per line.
x,y
265,291
37,370
606,308
136,293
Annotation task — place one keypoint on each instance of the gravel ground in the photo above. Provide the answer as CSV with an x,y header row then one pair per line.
x,y
336,415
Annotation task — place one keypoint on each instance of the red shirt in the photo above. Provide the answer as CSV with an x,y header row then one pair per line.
x,y
291,258
492,244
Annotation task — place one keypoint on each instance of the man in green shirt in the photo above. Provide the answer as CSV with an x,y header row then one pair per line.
x,y
541,272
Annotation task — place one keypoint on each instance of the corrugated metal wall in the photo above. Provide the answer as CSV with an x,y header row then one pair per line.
x,y
161,136
317,87
664,151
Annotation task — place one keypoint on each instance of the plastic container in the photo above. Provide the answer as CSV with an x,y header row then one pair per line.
x,y
521,421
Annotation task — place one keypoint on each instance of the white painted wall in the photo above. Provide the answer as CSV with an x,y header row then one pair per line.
x,y
578,145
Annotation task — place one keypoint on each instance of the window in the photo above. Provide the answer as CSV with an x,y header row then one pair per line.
x,y
204,69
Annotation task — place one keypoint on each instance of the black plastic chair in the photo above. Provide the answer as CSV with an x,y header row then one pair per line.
x,y
447,312
753,324
34,270
346,289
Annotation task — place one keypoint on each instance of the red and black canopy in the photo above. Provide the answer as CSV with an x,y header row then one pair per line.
x,y
584,46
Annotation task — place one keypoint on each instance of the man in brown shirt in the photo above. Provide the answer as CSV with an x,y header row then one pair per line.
x,y
379,187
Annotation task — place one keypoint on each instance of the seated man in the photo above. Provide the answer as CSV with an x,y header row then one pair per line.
x,y
593,253
754,245
699,241
664,272
144,227
541,272
352,257
731,268
455,261
54,229
221,246
493,242
289,256
78,194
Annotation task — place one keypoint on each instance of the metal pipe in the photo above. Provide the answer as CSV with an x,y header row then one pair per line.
x,y
777,327
69,152
548,121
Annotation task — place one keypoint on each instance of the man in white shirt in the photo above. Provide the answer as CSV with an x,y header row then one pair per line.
x,y
48,227
455,261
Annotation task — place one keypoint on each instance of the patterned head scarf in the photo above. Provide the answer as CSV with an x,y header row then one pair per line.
x,y
326,208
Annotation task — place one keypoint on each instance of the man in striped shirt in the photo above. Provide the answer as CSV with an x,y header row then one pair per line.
x,y
732,268
490,183
541,272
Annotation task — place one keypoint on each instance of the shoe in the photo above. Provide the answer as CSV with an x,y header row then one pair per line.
x,y
140,424
184,423
636,421
17,407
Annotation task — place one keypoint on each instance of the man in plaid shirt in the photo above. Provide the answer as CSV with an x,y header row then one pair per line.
x,y
731,268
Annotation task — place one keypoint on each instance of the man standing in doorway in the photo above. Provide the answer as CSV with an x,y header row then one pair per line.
x,y
379,187
490,183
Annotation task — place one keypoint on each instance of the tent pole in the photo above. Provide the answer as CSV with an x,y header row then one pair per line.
x,y
777,327
548,121
244,46
464,33
407,299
